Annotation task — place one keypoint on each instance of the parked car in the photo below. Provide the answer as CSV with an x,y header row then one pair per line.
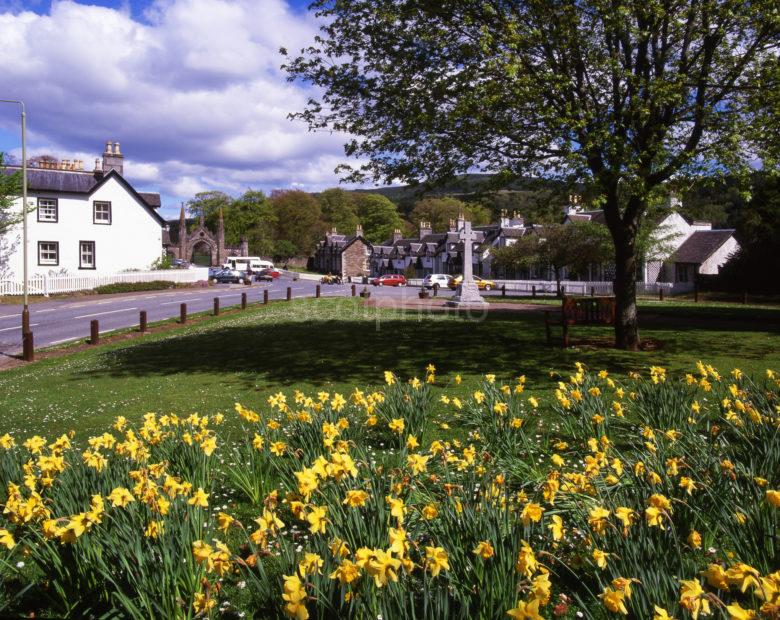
x,y
180,263
436,279
390,279
233,276
215,271
268,275
482,285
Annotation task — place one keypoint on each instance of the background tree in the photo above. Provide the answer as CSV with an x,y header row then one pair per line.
x,y
251,216
298,219
557,247
378,216
207,204
283,251
339,209
620,95
439,212
10,190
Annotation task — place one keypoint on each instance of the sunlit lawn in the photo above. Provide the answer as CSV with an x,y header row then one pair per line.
x,y
337,343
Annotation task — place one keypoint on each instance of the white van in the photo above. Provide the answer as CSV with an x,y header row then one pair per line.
x,y
245,263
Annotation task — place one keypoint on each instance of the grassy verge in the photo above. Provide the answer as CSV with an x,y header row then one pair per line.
x,y
337,343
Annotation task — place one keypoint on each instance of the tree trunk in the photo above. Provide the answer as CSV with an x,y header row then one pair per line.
x,y
557,273
626,323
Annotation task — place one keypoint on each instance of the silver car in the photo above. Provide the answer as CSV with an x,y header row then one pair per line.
x,y
441,280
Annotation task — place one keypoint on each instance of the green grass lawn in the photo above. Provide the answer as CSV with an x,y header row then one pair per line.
x,y
337,344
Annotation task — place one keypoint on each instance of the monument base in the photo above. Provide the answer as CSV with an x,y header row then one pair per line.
x,y
468,297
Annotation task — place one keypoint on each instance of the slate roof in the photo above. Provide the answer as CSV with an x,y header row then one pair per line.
x,y
587,216
78,182
701,245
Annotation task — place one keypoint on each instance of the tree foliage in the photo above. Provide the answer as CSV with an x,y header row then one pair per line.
x,y
439,211
207,204
298,219
339,210
621,95
558,247
10,190
378,216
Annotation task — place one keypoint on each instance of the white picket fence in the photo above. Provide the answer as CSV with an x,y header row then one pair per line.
x,y
575,287
50,285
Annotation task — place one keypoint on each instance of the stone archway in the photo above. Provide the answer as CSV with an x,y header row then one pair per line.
x,y
202,244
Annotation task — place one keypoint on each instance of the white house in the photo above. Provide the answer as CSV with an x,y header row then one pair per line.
x,y
684,249
84,221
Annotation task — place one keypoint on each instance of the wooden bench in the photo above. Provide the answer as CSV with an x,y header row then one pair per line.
x,y
581,311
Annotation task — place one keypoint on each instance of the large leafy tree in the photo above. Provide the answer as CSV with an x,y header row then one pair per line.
x,y
298,220
10,190
558,247
207,204
378,216
339,209
439,211
621,95
250,216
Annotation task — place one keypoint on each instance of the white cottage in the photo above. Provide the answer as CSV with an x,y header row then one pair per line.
x,y
84,221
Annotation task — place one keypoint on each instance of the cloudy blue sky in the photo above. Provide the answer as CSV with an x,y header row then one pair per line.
x,y
190,88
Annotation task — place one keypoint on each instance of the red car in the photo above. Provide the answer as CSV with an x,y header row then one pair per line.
x,y
269,274
389,279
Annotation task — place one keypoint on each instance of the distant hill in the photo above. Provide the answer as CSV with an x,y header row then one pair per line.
x,y
538,200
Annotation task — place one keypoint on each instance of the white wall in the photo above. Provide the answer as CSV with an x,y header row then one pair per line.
x,y
133,240
713,264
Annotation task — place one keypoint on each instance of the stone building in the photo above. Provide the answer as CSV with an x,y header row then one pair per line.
x,y
200,245
341,255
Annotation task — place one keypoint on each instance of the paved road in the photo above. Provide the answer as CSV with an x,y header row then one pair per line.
x,y
59,321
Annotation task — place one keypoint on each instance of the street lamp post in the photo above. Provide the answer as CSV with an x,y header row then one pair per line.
x,y
26,309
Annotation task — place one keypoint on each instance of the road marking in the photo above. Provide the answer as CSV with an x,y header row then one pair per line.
x,y
86,316
8,329
66,340
47,310
10,316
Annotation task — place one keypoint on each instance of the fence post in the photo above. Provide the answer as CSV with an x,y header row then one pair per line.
x,y
744,297
503,290
354,290
533,290
696,291
25,321
289,293
592,291
265,296
28,348
317,292
660,293
243,301
94,331
142,321
183,313
216,306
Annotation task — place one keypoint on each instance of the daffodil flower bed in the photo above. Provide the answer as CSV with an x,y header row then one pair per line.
x,y
648,496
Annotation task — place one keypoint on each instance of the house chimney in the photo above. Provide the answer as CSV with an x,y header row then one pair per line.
x,y
673,202
397,235
504,220
359,230
113,159
425,229
98,166
452,226
461,221
574,206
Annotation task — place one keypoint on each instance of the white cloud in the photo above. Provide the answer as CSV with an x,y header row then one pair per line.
x,y
195,93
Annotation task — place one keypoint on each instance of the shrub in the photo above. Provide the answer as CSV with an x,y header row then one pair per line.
x,y
133,287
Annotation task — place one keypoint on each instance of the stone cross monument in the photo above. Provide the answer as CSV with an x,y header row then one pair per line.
x,y
468,292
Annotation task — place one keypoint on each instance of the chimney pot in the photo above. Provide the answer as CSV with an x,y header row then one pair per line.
x,y
116,149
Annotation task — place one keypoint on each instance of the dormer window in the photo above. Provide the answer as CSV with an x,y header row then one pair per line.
x,y
101,212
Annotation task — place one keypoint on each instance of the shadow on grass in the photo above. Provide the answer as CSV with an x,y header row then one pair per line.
x,y
316,352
